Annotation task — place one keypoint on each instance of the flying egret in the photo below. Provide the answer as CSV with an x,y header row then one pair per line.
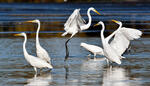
x,y
122,36
76,23
93,49
34,61
41,52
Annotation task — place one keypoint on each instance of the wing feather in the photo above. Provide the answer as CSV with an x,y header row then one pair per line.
x,y
74,19
122,39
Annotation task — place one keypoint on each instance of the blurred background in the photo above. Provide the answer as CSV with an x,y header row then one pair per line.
x,y
54,13
61,1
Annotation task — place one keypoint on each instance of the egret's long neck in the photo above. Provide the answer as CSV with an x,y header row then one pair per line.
x,y
24,45
90,19
102,33
89,22
37,34
120,25
111,35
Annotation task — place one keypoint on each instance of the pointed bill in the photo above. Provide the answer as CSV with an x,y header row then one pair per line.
x,y
115,21
96,24
30,21
17,34
97,12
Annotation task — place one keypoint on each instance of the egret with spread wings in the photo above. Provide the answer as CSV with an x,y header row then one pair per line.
x,y
122,37
76,23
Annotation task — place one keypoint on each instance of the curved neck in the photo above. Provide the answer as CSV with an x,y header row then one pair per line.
x,y
111,35
37,33
102,33
86,26
24,45
120,25
90,19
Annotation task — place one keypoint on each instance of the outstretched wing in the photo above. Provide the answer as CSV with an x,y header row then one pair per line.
x,y
122,39
131,33
74,19
80,20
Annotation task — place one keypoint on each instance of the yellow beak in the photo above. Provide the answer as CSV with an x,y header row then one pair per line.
x,y
30,21
97,12
96,24
17,34
115,21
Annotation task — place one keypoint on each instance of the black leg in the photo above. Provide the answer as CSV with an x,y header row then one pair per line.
x,y
67,52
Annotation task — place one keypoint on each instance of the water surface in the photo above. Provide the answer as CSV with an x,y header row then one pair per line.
x,y
79,70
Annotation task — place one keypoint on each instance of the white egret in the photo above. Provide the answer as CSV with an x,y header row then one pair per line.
x,y
93,49
114,50
76,23
34,61
123,37
108,51
40,51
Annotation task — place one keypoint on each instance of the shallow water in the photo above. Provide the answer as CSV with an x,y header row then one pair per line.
x,y
78,70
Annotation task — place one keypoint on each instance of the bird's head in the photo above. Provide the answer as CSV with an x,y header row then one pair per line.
x,y
34,21
99,23
93,9
118,22
20,34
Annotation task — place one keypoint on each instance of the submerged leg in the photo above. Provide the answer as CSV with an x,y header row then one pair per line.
x,y
35,70
107,62
94,56
67,52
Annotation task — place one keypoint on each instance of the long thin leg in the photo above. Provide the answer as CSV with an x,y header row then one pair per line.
x,y
107,62
35,70
67,52
94,56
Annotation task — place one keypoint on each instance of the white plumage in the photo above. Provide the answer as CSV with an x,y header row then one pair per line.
x,y
76,23
114,50
34,61
123,37
40,51
93,49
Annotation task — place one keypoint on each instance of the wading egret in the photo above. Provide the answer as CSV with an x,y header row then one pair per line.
x,y
108,51
76,23
34,61
120,42
40,51
93,49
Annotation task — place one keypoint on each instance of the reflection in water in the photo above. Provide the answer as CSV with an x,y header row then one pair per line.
x,y
115,77
92,65
41,80
92,71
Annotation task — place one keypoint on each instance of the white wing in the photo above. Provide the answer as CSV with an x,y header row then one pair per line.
x,y
37,62
131,33
74,19
122,39
42,53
